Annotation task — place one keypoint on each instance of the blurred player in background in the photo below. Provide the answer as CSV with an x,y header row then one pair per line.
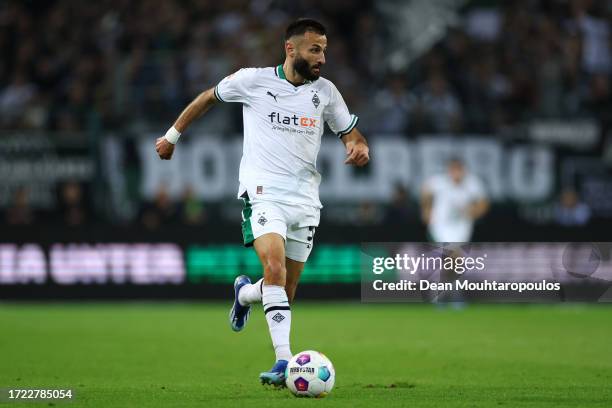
x,y
452,202
284,111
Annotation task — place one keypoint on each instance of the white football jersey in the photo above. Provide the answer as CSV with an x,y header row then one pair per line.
x,y
449,221
283,125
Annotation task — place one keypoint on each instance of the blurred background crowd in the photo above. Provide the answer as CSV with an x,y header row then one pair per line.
x,y
72,65
125,67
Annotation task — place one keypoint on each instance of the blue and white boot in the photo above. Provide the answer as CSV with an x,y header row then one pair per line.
x,y
276,376
239,314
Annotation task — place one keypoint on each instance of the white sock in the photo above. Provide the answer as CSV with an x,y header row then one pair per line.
x,y
250,293
278,315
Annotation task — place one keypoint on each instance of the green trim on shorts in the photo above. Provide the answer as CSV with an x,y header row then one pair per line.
x,y
247,229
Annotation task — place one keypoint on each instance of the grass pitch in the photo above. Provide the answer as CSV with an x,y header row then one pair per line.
x,y
185,355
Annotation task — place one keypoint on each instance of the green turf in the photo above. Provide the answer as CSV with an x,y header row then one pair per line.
x,y
185,355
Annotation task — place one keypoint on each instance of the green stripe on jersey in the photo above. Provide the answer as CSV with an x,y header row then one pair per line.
x,y
350,126
216,92
280,72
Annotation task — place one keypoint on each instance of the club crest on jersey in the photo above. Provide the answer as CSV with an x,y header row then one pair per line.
x,y
262,221
316,101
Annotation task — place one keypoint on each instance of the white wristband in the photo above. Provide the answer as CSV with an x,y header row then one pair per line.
x,y
172,135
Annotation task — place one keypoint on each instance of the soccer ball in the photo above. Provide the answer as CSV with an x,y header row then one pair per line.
x,y
310,374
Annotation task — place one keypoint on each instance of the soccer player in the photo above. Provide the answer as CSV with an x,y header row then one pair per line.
x,y
284,111
451,202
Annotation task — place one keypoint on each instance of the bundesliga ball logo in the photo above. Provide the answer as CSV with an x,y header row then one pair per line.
x,y
310,374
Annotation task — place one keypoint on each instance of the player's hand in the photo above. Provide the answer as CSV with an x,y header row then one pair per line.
x,y
357,153
164,148
470,212
467,213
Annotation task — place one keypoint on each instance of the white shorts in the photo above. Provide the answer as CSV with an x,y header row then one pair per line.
x,y
296,223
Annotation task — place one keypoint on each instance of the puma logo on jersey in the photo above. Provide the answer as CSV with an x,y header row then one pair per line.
x,y
272,95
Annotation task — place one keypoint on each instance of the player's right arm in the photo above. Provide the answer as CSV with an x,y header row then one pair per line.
x,y
233,88
426,203
202,103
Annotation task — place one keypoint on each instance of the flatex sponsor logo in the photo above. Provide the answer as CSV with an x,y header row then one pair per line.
x,y
294,120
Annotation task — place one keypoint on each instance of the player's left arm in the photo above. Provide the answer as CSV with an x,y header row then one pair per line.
x,y
357,150
480,202
478,208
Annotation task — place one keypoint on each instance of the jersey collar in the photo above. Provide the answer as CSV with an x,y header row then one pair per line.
x,y
280,72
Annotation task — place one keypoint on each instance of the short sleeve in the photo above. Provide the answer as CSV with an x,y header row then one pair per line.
x,y
432,184
236,87
337,115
